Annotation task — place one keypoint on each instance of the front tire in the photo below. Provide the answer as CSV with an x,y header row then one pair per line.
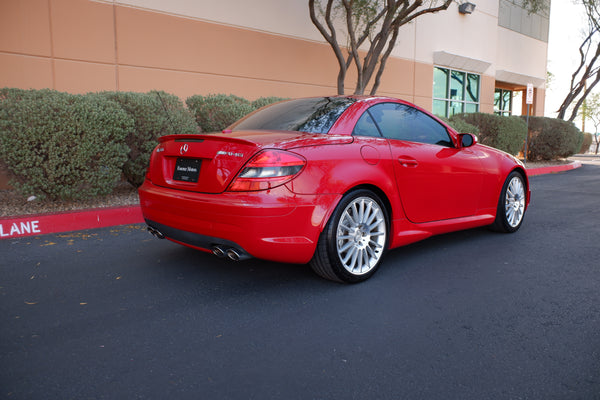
x,y
511,204
351,246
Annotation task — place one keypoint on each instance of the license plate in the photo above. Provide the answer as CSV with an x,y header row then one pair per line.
x,y
187,170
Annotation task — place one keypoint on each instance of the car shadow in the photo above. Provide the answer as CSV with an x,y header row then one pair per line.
x,y
184,263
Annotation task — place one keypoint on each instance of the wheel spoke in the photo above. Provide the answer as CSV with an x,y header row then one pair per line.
x,y
346,237
346,246
345,227
375,244
375,224
366,260
353,258
349,217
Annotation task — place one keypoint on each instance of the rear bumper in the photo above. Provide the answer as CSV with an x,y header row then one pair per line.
x,y
275,225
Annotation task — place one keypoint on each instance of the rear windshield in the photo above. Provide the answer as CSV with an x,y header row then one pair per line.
x,y
314,115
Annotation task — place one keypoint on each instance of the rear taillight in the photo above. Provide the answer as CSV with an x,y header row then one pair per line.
x,y
268,169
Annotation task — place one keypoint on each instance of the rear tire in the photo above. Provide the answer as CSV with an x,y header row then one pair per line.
x,y
511,204
351,246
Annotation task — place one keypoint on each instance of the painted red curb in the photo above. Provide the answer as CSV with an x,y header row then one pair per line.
x,y
41,224
553,169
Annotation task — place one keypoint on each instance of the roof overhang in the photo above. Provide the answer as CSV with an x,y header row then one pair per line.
x,y
518,79
455,61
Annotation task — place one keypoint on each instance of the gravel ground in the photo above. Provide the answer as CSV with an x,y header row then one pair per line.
x,y
12,203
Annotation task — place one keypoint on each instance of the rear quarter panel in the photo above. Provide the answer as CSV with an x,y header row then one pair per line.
x,y
338,169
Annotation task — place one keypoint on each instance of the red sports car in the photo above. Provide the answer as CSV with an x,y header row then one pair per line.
x,y
330,181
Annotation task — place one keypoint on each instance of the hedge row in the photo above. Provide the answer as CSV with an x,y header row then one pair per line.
x,y
63,146
154,114
504,133
549,138
216,112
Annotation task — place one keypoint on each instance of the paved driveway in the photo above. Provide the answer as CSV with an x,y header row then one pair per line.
x,y
117,314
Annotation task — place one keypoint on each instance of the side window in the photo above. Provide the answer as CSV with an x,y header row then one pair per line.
x,y
366,126
402,122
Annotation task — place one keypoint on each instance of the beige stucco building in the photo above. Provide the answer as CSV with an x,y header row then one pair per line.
x,y
447,62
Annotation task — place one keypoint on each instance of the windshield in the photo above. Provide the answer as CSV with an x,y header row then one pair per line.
x,y
314,115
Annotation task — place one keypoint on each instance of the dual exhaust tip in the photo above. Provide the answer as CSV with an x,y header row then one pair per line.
x,y
156,232
223,252
218,250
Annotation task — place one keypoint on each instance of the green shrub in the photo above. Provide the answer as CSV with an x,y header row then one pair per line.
x,y
265,101
586,143
216,112
13,93
461,126
552,138
62,146
154,114
504,133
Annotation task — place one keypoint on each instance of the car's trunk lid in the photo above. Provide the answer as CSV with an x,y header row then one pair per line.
x,y
208,163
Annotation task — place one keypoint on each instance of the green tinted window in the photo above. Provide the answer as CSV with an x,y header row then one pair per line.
x,y
455,92
440,83
503,102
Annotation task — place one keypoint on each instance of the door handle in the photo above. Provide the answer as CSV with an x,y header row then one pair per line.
x,y
408,162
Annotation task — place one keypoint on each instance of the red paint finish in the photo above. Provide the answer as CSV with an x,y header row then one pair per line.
x,y
271,192
32,225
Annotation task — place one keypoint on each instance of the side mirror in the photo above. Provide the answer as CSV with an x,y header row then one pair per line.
x,y
466,139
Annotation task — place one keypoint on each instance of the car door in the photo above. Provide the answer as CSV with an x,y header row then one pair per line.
x,y
436,181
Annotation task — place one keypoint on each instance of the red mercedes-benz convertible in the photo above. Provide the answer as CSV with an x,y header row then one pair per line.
x,y
330,181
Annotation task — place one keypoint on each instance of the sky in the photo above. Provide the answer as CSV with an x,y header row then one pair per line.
x,y
566,34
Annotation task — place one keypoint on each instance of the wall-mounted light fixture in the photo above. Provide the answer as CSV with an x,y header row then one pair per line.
x,y
466,8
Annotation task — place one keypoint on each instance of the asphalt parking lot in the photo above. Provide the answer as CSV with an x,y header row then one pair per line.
x,y
116,314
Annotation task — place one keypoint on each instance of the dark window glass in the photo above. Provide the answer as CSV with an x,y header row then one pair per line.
x,y
503,102
472,90
314,115
402,122
457,85
366,126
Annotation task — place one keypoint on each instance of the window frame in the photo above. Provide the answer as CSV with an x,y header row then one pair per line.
x,y
448,100
421,114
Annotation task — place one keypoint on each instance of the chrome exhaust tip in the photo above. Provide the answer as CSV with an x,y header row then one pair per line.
x,y
219,252
233,254
155,232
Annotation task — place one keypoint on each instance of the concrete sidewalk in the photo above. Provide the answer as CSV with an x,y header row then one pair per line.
x,y
41,224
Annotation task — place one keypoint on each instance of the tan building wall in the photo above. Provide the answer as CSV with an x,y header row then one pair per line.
x,y
80,46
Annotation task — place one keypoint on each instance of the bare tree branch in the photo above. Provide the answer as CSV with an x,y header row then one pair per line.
x,y
587,68
331,38
379,21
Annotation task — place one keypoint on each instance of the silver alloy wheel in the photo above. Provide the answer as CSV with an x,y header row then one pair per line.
x,y
515,201
361,235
